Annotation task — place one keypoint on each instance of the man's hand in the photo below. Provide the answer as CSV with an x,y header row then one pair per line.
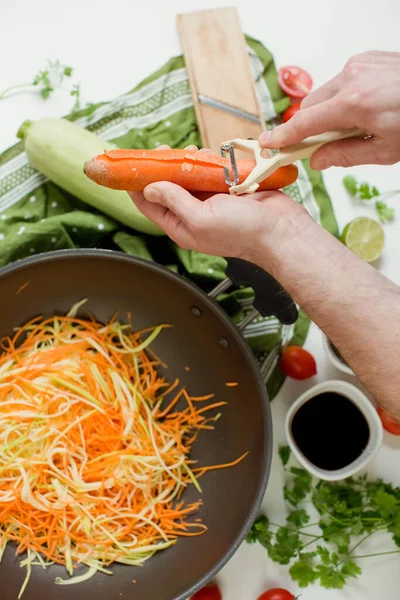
x,y
221,224
366,94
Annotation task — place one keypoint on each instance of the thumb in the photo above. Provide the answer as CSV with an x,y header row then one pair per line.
x,y
174,198
349,153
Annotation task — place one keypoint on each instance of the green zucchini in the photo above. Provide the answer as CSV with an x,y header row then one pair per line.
x,y
59,149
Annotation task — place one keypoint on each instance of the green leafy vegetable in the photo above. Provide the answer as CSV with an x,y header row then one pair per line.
x,y
284,453
298,488
298,518
365,192
350,512
303,570
260,532
46,80
51,77
385,213
76,92
287,544
350,184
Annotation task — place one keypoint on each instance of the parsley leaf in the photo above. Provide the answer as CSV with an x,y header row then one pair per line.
x,y
350,569
51,77
298,518
350,184
259,532
365,192
46,80
303,570
76,91
300,486
385,213
284,453
286,546
387,504
348,509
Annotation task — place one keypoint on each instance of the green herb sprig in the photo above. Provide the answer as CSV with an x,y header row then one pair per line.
x,y
365,192
349,512
49,79
45,81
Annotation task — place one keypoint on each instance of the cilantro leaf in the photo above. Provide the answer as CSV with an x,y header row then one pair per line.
x,y
330,577
351,569
51,77
259,532
350,184
385,213
375,191
387,504
300,486
286,546
298,518
46,91
303,570
324,555
347,509
76,91
365,193
284,453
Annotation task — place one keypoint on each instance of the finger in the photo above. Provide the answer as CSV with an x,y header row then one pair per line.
x,y
326,91
173,197
165,219
205,150
334,113
349,153
191,147
154,212
163,147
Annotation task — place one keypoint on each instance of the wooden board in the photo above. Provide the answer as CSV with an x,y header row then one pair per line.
x,y
219,72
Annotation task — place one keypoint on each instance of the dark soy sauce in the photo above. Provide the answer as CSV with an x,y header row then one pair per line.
x,y
330,431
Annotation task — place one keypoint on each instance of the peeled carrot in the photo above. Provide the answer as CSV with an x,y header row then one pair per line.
x,y
133,170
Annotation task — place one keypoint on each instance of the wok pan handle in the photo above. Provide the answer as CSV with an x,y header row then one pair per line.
x,y
270,299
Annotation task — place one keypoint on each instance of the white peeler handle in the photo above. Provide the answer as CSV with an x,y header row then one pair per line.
x,y
287,156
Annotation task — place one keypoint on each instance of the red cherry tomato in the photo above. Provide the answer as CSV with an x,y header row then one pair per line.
x,y
297,363
277,594
210,592
390,424
295,82
291,111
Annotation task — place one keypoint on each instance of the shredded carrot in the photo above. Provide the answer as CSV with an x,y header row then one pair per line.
x,y
23,286
231,384
94,451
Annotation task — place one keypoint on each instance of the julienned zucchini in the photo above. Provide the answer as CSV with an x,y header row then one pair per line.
x,y
59,149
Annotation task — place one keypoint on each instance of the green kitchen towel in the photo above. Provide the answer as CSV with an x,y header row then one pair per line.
x,y
36,216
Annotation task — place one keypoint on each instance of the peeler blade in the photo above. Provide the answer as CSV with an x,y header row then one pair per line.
x,y
227,149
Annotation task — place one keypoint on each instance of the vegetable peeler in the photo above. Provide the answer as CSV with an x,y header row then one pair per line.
x,y
287,156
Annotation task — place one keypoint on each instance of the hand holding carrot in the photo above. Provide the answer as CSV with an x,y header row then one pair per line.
x,y
220,224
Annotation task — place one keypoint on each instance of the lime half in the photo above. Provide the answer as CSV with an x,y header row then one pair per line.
x,y
364,237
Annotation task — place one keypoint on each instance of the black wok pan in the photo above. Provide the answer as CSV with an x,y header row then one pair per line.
x,y
203,338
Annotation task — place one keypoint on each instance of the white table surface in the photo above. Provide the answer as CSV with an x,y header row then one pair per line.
x,y
112,46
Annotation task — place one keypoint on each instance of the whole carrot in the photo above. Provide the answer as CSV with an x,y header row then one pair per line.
x,y
133,170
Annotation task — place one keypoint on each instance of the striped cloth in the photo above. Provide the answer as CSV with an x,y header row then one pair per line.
x,y
36,216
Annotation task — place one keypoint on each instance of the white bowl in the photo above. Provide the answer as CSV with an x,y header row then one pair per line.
x,y
335,360
362,402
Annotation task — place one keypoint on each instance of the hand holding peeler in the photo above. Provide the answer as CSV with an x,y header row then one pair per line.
x,y
286,156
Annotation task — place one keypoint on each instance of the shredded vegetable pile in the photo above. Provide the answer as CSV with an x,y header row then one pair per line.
x,y
94,453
